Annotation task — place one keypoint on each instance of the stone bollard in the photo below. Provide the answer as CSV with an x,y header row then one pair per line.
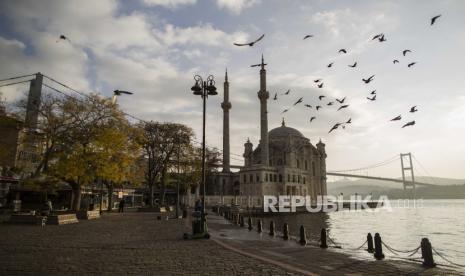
x,y
242,221
285,231
271,228
427,253
259,226
378,247
323,243
370,248
303,238
250,224
238,219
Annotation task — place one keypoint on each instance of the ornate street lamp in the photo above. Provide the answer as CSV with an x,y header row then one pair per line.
x,y
204,89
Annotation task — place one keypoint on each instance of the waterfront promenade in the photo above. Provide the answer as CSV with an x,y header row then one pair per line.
x,y
138,244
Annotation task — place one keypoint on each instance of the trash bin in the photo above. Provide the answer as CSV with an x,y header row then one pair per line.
x,y
197,223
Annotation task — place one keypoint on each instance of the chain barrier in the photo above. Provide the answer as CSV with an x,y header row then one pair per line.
x,y
333,242
395,251
447,260
358,248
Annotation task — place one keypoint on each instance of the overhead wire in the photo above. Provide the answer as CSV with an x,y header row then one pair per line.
x,y
125,113
18,77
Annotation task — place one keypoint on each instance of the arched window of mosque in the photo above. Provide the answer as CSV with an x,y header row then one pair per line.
x,y
288,178
258,178
224,181
251,178
266,177
304,180
298,179
306,163
298,164
280,162
284,159
280,178
275,177
293,178
313,168
245,178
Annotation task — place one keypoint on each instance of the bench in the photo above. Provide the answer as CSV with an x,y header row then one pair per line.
x,y
88,214
62,219
27,219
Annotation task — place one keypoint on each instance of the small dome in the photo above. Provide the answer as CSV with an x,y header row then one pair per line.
x,y
284,131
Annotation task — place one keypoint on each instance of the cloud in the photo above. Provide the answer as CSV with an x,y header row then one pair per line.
x,y
171,4
236,6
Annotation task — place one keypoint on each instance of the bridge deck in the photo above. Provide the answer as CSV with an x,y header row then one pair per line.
x,y
379,178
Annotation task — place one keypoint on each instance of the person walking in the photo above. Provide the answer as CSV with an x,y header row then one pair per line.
x,y
121,206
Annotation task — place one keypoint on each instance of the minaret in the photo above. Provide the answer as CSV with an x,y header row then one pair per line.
x,y
226,106
263,95
33,102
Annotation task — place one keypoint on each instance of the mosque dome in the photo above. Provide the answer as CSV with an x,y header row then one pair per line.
x,y
284,131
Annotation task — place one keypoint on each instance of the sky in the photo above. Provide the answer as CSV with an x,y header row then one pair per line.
x,y
154,48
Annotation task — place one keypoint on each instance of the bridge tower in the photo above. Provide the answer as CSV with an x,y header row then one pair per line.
x,y
407,172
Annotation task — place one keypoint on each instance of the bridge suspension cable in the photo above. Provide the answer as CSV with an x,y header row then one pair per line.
x,y
383,163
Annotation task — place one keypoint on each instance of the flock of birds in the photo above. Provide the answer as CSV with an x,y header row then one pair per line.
x,y
342,102
319,82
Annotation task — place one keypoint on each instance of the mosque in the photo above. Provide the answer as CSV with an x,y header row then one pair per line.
x,y
284,162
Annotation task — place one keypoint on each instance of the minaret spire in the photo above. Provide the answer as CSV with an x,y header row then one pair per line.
x,y
226,106
263,95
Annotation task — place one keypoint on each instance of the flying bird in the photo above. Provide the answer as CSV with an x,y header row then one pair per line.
x,y
320,85
398,118
373,92
119,92
285,110
382,39
413,109
411,64
307,36
298,101
409,124
318,107
330,65
349,121
250,43
307,105
330,103
62,37
321,97
287,92
373,98
434,19
377,36
334,127
353,65
317,80
341,101
313,118
404,52
343,106
395,61
342,51
369,79
275,96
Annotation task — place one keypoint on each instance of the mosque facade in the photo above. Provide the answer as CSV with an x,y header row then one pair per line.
x,y
284,162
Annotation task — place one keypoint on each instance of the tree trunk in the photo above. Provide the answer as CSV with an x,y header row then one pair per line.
x,y
110,197
151,189
162,187
76,197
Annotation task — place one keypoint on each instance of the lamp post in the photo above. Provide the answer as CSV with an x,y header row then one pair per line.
x,y
204,89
